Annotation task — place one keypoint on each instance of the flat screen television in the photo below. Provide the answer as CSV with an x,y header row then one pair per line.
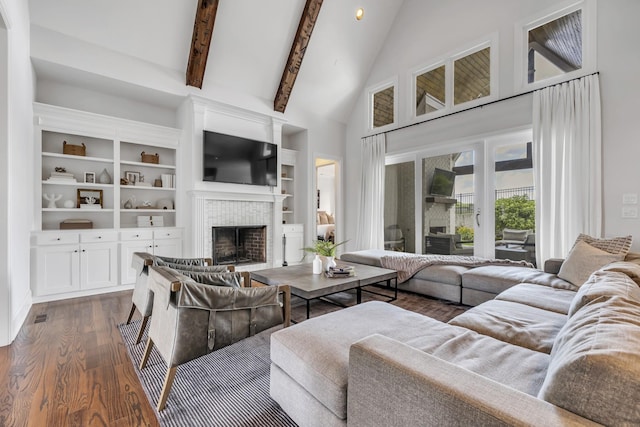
x,y
237,160
442,183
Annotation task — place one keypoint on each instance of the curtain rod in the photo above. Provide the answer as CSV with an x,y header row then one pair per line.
x,y
477,106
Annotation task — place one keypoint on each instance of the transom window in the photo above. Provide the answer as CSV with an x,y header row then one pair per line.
x,y
555,48
383,102
472,76
557,45
382,105
464,77
430,91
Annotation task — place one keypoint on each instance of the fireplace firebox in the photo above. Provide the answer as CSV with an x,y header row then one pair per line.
x,y
239,245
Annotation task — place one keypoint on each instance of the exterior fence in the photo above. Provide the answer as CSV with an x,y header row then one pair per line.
x,y
465,200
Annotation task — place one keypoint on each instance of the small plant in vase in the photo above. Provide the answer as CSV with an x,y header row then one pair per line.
x,y
326,250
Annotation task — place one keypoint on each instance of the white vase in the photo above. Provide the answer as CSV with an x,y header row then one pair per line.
x,y
330,262
317,265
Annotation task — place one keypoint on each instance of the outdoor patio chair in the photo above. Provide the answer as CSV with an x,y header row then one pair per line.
x,y
193,318
142,297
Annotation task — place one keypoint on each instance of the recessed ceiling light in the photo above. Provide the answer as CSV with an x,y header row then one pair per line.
x,y
359,13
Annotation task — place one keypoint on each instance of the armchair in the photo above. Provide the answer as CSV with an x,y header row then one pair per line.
x,y
193,319
142,297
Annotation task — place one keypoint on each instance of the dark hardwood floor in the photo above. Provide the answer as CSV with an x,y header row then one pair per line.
x,y
69,366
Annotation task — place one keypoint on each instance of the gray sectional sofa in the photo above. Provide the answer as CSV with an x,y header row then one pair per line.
x,y
542,352
457,283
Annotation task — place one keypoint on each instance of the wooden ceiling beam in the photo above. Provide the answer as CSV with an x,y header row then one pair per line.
x,y
200,41
298,49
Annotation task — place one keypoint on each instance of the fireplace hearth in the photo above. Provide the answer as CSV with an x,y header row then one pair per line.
x,y
239,245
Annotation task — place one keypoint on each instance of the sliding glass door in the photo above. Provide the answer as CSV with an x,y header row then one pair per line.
x,y
474,199
449,206
514,199
399,207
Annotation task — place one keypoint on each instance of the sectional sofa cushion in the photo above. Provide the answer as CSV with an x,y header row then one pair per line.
x,y
584,259
630,268
368,256
540,296
594,370
495,278
315,353
511,365
603,285
513,323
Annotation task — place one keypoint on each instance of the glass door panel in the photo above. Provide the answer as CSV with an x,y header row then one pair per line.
x,y
514,202
449,208
399,207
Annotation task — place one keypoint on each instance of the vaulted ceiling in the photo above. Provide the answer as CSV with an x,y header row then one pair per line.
x,y
249,48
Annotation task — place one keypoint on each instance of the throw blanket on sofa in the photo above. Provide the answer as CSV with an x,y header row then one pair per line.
x,y
409,264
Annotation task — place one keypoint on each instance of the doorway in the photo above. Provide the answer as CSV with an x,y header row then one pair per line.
x,y
326,199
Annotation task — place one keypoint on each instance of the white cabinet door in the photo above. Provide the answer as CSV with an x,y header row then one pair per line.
x,y
168,247
98,265
57,269
294,234
167,242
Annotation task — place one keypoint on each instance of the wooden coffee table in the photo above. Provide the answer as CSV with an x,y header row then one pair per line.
x,y
308,286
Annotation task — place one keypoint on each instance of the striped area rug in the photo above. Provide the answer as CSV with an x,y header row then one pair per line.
x,y
229,387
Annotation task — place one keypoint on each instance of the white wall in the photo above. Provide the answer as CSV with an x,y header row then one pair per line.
x,y
17,151
427,30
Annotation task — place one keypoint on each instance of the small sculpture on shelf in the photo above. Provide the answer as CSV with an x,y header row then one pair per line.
x,y
52,199
104,177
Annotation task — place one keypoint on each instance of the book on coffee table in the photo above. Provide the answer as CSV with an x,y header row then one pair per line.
x,y
344,271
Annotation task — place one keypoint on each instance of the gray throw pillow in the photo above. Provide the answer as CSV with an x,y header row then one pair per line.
x,y
584,259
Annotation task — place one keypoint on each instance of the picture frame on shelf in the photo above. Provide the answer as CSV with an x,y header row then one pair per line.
x,y
132,177
89,178
89,198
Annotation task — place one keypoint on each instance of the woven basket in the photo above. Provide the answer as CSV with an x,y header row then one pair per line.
x,y
150,158
74,150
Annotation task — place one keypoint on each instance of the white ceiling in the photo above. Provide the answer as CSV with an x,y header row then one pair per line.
x,y
250,46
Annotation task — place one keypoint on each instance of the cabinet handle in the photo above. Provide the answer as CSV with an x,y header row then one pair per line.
x,y
58,239
76,251
84,250
137,235
99,237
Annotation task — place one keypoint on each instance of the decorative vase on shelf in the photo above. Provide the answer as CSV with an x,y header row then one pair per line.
x,y
104,177
317,265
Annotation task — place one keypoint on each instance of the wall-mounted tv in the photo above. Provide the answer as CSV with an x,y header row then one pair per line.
x,y
442,182
237,160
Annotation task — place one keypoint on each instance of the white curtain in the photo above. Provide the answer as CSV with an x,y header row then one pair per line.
x,y
370,233
567,145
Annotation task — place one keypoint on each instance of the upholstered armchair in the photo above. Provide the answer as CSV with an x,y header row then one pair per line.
x,y
142,298
192,319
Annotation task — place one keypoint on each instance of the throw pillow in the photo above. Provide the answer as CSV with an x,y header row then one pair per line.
x,y
584,259
323,217
613,245
330,219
